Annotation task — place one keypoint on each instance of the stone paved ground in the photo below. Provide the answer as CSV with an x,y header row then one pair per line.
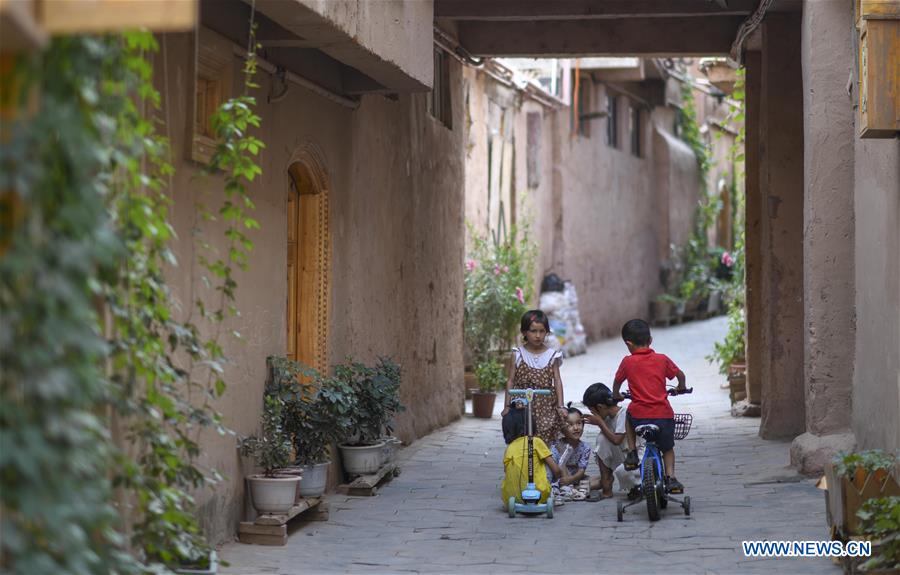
x,y
443,513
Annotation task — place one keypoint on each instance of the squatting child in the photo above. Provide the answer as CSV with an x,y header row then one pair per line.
x,y
610,447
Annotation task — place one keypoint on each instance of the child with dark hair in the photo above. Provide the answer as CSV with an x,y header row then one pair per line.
x,y
515,460
572,455
646,372
609,449
536,366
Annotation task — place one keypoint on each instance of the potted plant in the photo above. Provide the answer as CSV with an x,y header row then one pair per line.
x,y
270,492
879,522
376,392
491,378
662,309
317,414
209,565
853,478
498,282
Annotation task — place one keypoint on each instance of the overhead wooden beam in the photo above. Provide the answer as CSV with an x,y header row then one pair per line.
x,y
632,36
580,9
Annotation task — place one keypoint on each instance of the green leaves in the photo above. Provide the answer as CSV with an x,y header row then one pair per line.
x,y
870,460
498,285
89,171
272,449
491,375
55,451
880,520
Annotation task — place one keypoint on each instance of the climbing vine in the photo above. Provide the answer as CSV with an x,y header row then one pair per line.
x,y
90,339
56,452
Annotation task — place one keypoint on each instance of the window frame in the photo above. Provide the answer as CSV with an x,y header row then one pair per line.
x,y
439,99
612,120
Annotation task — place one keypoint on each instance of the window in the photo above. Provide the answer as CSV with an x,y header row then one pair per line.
x,y
612,121
212,87
439,99
582,107
533,158
500,212
635,128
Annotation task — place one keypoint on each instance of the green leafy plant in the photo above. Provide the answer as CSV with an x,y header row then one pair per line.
x,y
498,285
490,375
97,341
869,461
880,521
60,244
271,449
376,392
318,409
733,348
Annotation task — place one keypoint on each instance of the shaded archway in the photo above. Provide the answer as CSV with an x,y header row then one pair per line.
x,y
308,258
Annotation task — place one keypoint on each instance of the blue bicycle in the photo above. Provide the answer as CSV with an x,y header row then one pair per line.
x,y
653,487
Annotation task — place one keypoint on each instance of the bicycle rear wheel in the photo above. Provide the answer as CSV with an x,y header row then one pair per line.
x,y
649,488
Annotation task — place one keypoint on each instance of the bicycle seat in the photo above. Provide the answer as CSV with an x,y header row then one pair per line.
x,y
648,431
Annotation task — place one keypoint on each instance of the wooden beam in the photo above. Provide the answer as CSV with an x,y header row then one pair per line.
x,y
633,36
581,9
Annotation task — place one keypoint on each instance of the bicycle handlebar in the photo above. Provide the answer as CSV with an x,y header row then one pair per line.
x,y
669,391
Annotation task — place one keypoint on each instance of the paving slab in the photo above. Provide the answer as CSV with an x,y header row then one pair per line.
x,y
443,514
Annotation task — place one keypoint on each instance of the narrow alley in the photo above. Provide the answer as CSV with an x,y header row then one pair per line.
x,y
443,513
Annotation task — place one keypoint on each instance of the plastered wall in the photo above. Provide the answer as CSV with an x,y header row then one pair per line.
x,y
597,212
396,200
876,379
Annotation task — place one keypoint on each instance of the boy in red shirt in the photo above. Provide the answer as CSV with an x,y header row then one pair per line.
x,y
646,372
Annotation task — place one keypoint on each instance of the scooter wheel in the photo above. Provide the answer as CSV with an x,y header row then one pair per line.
x,y
511,506
687,505
620,511
550,507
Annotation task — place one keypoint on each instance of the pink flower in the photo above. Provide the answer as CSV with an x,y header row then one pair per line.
x,y
505,269
727,260
520,295
497,270
471,265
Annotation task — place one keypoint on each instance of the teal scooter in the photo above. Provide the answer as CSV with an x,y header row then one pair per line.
x,y
530,495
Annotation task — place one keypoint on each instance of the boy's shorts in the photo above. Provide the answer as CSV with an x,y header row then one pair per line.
x,y
665,439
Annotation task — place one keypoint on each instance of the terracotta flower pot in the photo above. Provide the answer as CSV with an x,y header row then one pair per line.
x,y
483,404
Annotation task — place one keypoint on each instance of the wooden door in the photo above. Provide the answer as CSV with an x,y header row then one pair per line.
x,y
308,258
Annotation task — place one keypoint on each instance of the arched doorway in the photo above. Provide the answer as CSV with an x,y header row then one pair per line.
x,y
308,259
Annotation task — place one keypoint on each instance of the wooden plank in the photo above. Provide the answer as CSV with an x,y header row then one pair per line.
x,y
318,513
879,79
256,539
631,36
877,10
585,9
282,518
367,485
271,529
85,16
250,528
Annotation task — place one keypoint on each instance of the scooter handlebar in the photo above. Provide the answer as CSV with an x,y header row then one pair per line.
x,y
526,391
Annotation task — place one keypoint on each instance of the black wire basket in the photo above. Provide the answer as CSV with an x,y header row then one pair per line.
x,y
683,424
